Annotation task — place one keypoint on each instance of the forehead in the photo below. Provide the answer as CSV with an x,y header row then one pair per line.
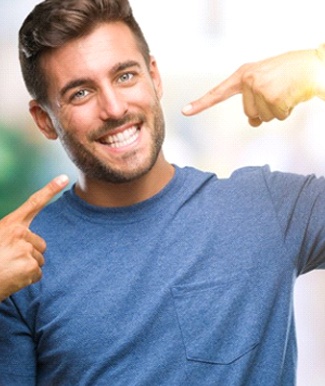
x,y
100,50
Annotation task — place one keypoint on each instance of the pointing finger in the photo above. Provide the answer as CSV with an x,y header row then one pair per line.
x,y
36,202
228,88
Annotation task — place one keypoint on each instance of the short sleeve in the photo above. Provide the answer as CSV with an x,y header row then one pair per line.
x,y
299,202
17,351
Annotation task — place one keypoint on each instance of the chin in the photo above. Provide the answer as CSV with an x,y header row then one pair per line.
x,y
118,176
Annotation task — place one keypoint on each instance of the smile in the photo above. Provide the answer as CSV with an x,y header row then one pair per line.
x,y
124,138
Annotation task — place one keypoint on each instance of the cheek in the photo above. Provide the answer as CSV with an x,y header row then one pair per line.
x,y
145,98
76,120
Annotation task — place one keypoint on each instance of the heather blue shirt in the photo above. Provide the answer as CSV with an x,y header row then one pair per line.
x,y
191,287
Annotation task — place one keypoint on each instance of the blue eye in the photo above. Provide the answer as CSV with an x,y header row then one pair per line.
x,y
126,77
80,94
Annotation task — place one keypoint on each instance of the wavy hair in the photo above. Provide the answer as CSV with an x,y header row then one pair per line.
x,y
54,23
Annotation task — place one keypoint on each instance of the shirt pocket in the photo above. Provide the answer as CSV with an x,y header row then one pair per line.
x,y
219,321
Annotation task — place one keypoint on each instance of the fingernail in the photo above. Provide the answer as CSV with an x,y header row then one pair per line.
x,y
187,108
62,180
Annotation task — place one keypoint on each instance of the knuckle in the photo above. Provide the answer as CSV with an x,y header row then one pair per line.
x,y
274,100
39,258
25,246
37,275
34,201
244,68
26,270
29,249
43,245
41,261
31,267
24,251
248,80
247,74
19,231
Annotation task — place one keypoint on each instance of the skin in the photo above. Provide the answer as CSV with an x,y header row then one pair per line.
x,y
100,85
270,88
21,250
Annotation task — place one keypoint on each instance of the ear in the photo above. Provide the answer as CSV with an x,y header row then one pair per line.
x,y
42,120
155,76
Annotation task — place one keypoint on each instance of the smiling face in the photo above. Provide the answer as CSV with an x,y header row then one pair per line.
x,y
104,105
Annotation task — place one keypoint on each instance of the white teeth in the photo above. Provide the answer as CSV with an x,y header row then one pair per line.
x,y
122,139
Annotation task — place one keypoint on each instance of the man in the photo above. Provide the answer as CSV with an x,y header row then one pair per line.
x,y
154,275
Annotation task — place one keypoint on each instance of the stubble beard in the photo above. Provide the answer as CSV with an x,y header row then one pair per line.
x,y
94,168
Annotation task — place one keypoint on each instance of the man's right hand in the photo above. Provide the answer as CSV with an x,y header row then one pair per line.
x,y
21,251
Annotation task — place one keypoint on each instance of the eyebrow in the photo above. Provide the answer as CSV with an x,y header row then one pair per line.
x,y
73,84
82,81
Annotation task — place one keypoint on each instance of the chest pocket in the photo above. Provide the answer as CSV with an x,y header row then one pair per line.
x,y
219,320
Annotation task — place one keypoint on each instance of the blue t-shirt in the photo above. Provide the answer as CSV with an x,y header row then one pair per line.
x,y
192,287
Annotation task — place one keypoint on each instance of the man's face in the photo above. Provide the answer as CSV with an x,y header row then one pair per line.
x,y
105,104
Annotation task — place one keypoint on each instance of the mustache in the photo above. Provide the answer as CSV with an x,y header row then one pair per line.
x,y
112,124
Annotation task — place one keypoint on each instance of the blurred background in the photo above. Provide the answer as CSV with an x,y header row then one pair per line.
x,y
197,43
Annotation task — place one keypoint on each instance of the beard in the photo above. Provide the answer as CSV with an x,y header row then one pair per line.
x,y
92,167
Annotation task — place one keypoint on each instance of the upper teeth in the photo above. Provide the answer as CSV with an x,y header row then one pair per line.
x,y
121,139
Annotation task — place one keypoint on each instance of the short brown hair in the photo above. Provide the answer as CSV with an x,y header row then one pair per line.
x,y
53,23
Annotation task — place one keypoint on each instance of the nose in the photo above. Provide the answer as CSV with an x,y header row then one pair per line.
x,y
112,104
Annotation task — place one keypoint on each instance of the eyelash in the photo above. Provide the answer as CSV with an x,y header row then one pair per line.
x,y
124,78
129,76
76,96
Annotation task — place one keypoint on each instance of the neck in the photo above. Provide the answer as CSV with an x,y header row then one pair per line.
x,y
106,194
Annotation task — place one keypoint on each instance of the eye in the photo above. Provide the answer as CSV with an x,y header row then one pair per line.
x,y
79,95
125,77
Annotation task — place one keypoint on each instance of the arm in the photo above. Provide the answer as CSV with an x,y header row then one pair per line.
x,y
21,251
17,354
271,88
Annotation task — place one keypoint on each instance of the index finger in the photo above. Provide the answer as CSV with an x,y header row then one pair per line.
x,y
228,88
36,202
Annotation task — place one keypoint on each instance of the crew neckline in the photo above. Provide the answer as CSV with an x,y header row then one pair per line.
x,y
147,208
